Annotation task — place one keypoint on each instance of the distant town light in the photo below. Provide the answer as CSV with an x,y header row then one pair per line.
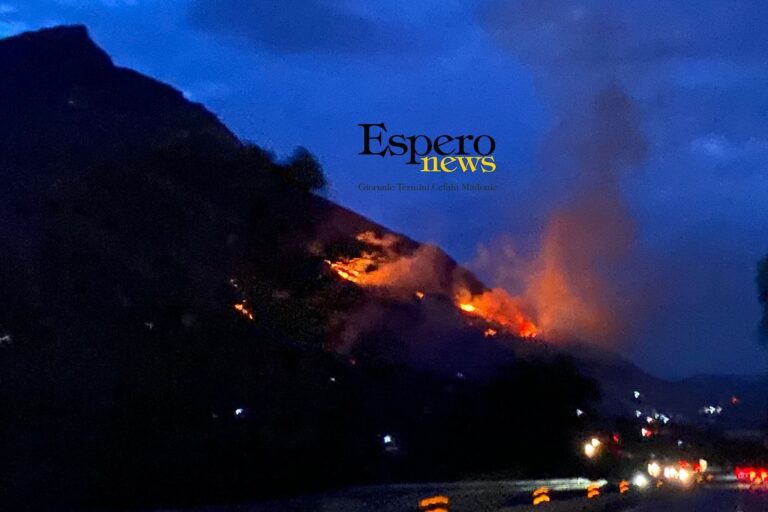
x,y
636,394
239,411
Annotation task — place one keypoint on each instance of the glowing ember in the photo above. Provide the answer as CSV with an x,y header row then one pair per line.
x,y
419,295
244,310
490,333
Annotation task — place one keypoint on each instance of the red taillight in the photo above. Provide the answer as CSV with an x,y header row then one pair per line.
x,y
751,474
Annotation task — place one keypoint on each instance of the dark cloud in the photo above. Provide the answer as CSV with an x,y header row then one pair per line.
x,y
608,33
295,26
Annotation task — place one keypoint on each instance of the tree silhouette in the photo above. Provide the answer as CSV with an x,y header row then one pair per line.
x,y
303,172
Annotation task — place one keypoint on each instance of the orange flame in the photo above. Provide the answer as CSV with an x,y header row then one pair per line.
x,y
244,310
345,269
498,307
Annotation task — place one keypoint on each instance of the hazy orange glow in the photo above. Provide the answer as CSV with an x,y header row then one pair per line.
x,y
565,284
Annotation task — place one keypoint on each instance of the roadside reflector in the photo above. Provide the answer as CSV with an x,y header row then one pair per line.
x,y
541,495
434,504
623,486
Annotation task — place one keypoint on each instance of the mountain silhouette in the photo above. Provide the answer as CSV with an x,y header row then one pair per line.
x,y
169,324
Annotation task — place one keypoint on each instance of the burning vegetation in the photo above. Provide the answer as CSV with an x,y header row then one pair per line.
x,y
498,307
382,266
243,309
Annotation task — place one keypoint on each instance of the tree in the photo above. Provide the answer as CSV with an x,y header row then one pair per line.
x,y
303,171
762,296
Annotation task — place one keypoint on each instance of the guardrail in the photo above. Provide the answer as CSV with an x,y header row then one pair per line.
x,y
545,495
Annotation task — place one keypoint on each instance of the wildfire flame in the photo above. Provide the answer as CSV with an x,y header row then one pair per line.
x,y
345,269
498,307
381,266
244,310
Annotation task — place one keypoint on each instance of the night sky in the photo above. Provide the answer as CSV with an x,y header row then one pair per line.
x,y
291,72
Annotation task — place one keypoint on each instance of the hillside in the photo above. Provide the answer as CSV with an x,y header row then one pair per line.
x,y
172,328
178,321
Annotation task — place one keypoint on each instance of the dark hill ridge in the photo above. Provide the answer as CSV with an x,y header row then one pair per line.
x,y
72,108
60,74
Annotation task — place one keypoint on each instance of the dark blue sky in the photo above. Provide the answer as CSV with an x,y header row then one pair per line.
x,y
292,72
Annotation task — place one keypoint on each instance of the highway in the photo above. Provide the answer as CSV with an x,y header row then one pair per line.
x,y
568,494
706,500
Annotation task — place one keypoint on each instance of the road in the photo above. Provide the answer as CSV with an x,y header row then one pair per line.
x,y
706,500
514,496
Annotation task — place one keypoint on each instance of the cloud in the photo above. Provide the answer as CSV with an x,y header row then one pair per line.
x,y
296,26
607,33
720,148
10,24
90,3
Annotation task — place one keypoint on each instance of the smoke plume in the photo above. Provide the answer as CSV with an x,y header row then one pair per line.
x,y
574,51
